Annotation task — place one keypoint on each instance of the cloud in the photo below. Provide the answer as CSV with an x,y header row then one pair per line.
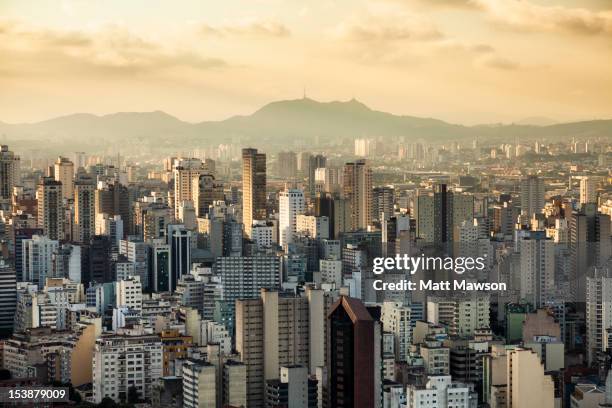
x,y
529,16
498,62
253,28
524,15
376,28
110,49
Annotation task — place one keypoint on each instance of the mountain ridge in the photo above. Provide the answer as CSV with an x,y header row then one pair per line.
x,y
283,123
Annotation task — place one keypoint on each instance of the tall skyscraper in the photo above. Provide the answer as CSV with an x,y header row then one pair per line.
x,y
353,356
9,172
277,330
287,165
532,195
589,244
357,189
291,203
314,162
114,199
37,255
8,297
50,208
598,314
383,200
179,239
84,208
588,190
537,268
437,214
205,191
64,173
253,188
185,172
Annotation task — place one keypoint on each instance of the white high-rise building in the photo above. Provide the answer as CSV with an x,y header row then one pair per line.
x,y
588,190
598,313
110,226
439,392
128,293
314,227
463,313
291,203
199,384
123,361
537,266
38,259
395,318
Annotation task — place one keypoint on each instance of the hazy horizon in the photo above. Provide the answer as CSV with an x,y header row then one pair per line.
x,y
461,61
534,120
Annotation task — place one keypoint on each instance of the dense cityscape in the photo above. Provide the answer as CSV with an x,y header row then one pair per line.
x,y
234,276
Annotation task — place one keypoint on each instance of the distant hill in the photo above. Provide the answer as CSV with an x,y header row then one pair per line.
x,y
281,123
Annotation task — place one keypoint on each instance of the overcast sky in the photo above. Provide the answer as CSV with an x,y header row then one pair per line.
x,y
465,61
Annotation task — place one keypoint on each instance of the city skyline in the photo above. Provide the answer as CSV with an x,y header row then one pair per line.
x,y
468,62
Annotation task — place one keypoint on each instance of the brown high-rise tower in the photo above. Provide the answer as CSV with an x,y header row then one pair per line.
x,y
253,188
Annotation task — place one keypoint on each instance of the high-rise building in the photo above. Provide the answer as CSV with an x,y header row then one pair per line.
x,y
243,277
98,261
9,172
19,236
537,268
395,319
589,244
287,165
588,190
357,189
84,208
205,192
179,239
234,384
199,384
64,173
383,201
137,253
279,330
253,188
128,293
462,313
111,227
532,195
353,356
155,221
527,385
437,214
159,267
185,171
291,203
314,162
439,392
114,199
124,364
294,389
598,314
8,297
37,259
50,208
